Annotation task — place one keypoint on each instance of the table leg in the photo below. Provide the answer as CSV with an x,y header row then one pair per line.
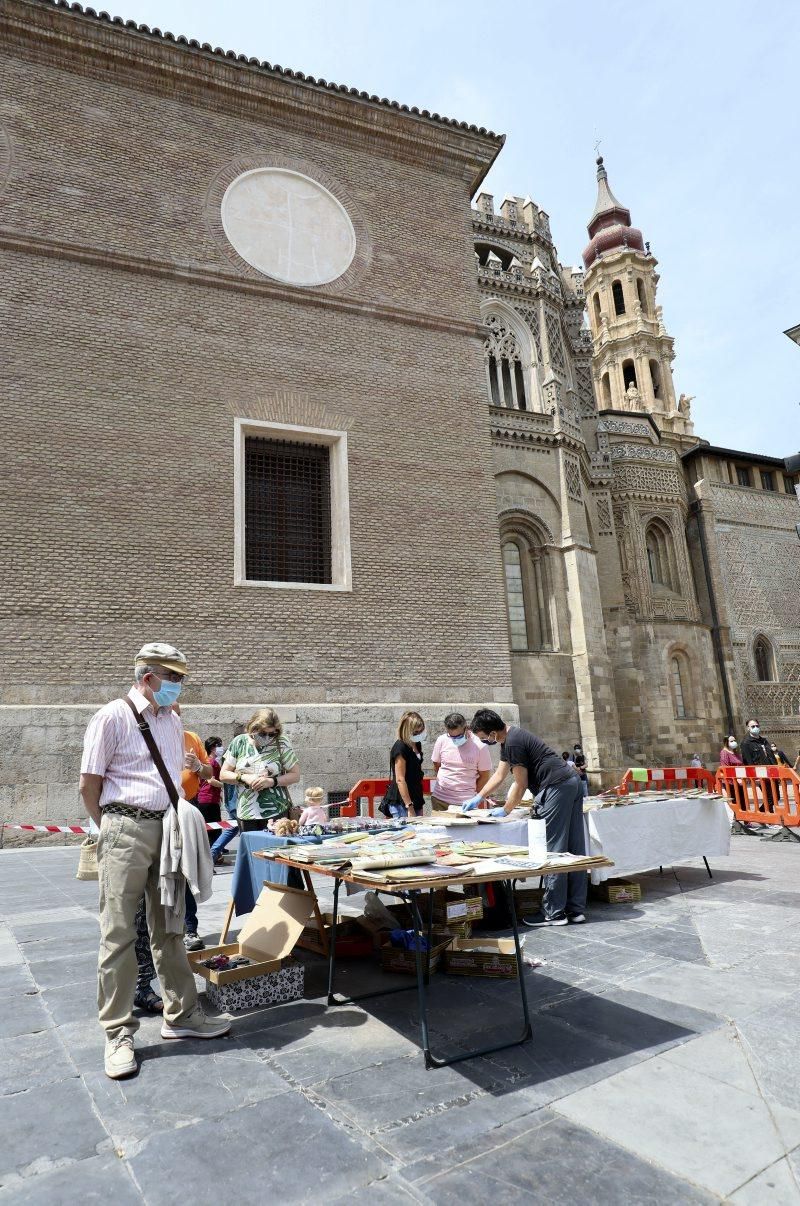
x,y
708,869
323,937
433,1061
364,996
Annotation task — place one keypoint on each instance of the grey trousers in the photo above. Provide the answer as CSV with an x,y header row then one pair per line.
x,y
561,809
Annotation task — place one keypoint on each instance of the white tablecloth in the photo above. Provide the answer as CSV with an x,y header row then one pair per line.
x,y
638,837
508,833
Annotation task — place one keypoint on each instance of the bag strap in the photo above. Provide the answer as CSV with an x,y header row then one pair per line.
x,y
155,753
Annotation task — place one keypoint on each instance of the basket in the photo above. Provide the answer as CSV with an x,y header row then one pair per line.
x,y
87,862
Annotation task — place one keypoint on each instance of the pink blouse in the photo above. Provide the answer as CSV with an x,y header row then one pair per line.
x,y
729,757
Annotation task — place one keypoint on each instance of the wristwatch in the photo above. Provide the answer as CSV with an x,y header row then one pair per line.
x,y
239,778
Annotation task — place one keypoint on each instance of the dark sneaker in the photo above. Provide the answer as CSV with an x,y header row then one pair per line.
x,y
539,919
576,918
193,943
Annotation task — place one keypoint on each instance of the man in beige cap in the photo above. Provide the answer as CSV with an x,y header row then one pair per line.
x,y
125,795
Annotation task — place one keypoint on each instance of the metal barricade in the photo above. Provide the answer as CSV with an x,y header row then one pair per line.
x,y
763,795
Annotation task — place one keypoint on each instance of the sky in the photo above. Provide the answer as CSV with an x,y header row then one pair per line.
x,y
695,104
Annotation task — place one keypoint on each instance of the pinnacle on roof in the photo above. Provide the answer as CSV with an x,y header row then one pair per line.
x,y
607,204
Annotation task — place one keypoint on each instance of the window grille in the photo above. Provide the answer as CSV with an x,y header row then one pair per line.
x,y
287,511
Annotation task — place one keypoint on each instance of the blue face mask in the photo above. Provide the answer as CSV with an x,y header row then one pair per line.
x,y
459,740
167,694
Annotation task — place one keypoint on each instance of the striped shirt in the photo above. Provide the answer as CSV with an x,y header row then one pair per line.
x,y
114,748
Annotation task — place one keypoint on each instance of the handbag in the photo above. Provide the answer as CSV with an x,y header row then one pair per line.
x,y
391,795
155,752
87,860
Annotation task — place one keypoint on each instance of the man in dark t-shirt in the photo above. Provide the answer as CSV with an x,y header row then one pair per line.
x,y
558,800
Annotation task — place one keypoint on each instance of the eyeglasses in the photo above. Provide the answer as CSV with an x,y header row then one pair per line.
x,y
170,676
263,733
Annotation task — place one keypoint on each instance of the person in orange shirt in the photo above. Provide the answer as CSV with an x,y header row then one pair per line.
x,y
197,766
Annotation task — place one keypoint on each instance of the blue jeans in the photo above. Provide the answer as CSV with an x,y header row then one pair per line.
x,y
226,835
190,919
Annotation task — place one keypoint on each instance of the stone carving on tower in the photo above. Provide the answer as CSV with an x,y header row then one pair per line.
x,y
632,352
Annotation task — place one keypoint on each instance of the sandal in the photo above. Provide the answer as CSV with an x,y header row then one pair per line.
x,y
149,1001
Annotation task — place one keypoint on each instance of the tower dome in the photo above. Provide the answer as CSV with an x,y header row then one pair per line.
x,y
610,224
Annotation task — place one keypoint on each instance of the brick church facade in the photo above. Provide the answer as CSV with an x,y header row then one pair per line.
x,y
265,396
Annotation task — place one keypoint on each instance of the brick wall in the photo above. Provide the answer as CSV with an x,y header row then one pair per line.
x,y
137,338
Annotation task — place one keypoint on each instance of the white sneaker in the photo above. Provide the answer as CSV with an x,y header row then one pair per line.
x,y
119,1058
196,1026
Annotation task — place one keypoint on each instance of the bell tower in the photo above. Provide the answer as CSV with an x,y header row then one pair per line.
x,y
632,352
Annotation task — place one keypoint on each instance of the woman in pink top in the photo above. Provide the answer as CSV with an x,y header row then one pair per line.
x,y
461,763
728,755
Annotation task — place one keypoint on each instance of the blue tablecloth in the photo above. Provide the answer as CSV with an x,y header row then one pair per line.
x,y
250,873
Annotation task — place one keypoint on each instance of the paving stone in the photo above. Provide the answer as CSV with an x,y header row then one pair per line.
x,y
622,1018
62,970
28,926
33,1059
776,1185
560,1162
73,1130
72,1002
665,941
23,1013
15,982
771,1042
710,1132
302,1157
365,1098
341,1042
93,1182
391,1190
179,1085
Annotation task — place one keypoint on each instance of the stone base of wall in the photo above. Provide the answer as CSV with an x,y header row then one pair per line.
x,y
336,744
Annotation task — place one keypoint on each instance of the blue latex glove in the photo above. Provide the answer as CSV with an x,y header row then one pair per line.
x,y
473,803
497,812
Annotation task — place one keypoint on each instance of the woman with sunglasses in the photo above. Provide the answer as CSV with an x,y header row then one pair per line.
x,y
262,764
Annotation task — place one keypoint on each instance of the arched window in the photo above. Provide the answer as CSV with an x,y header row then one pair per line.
x,y
629,374
640,293
529,593
660,556
506,376
655,377
606,387
618,296
680,686
597,310
764,659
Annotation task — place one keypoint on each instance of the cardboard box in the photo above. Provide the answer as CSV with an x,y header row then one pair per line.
x,y
454,908
267,939
616,891
353,939
494,957
528,901
397,959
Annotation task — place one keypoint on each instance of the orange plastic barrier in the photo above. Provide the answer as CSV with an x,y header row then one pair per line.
x,y
766,795
667,776
370,790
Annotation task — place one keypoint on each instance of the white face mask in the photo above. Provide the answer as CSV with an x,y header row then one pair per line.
x,y
423,736
754,730
733,744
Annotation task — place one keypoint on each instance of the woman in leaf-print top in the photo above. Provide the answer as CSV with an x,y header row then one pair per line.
x,y
262,763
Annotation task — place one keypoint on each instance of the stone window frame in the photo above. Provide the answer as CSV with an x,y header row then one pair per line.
x,y
664,547
683,700
764,653
538,590
336,441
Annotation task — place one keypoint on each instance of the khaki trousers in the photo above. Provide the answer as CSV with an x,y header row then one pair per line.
x,y
128,856
438,805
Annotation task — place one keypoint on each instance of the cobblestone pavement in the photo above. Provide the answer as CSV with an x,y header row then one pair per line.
x,y
663,1067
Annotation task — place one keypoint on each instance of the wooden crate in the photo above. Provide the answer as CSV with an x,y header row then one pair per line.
x,y
491,957
617,891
